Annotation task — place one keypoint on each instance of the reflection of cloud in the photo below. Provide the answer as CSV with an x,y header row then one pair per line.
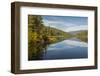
x,y
67,44
76,43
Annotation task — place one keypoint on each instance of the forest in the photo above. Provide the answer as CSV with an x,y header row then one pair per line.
x,y
37,32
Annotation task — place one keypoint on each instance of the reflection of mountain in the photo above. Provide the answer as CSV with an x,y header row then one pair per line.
x,y
83,35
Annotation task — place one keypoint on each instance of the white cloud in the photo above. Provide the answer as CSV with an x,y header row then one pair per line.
x,y
65,26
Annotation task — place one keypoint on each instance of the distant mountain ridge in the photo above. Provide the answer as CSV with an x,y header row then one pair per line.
x,y
76,32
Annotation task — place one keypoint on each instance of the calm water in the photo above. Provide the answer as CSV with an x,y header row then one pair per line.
x,y
68,49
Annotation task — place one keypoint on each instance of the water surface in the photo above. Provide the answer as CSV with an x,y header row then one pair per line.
x,y
72,48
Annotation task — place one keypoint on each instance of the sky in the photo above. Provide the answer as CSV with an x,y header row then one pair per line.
x,y
66,23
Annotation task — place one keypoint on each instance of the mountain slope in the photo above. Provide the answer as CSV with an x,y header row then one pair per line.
x,y
83,35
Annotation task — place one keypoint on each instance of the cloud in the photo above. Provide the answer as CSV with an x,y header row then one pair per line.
x,y
66,24
58,23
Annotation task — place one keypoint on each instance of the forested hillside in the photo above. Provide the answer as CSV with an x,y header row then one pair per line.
x,y
82,35
37,31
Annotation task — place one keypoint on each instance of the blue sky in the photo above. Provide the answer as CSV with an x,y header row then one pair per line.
x,y
66,23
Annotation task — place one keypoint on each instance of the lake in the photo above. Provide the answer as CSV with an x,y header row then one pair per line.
x,y
72,48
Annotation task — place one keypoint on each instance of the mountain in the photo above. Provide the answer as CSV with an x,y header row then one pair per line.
x,y
82,35
76,32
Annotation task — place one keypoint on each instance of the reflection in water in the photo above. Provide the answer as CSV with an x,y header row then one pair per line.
x,y
36,50
67,49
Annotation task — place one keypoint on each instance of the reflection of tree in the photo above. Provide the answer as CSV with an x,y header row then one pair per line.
x,y
83,36
36,51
